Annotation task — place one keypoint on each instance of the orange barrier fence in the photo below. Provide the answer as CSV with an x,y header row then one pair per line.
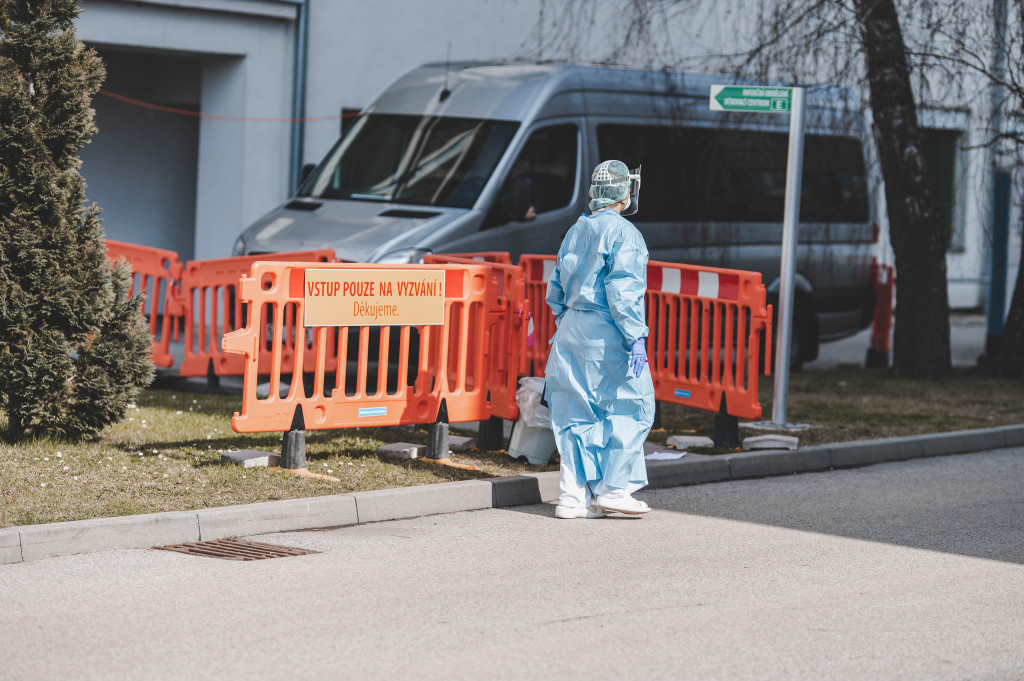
x,y
436,364
881,323
706,331
212,308
496,257
156,273
706,328
506,332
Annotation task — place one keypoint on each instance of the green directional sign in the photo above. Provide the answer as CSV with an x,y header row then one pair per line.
x,y
752,98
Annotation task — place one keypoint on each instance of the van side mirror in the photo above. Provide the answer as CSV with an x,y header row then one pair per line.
x,y
306,170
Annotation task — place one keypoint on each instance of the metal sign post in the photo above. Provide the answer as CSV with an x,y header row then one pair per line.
x,y
785,101
790,225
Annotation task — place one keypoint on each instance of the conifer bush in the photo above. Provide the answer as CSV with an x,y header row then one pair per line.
x,y
74,347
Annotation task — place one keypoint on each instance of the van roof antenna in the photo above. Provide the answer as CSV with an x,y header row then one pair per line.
x,y
447,62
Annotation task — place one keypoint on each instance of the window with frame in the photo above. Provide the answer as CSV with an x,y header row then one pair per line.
x,y
722,175
542,178
940,149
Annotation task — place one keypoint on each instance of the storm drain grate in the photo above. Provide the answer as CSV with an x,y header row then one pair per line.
x,y
235,549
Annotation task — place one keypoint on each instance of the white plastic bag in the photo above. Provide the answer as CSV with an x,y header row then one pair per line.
x,y
531,412
532,438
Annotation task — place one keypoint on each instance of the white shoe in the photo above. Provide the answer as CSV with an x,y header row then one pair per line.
x,y
627,505
566,512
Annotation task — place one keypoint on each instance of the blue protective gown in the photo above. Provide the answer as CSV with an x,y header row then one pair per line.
x,y
600,412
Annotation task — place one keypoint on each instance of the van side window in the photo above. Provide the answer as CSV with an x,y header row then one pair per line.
x,y
715,175
541,179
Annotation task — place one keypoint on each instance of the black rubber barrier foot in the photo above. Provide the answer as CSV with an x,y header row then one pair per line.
x,y
293,450
437,435
876,359
727,428
437,441
212,381
491,435
727,431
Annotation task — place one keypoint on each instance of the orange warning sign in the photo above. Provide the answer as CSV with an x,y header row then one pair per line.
x,y
372,297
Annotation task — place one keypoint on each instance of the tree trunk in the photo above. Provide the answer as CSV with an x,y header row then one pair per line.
x,y
1009,355
921,335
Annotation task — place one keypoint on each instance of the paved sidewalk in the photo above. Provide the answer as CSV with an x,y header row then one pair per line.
x,y
33,542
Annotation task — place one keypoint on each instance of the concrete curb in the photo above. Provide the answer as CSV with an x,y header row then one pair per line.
x,y
778,462
100,534
687,471
410,502
276,516
31,542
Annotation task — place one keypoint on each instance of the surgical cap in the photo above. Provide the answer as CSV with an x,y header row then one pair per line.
x,y
609,183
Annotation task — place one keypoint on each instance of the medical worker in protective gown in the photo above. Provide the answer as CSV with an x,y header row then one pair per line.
x,y
599,387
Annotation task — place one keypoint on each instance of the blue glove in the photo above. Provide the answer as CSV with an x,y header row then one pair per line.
x,y
638,357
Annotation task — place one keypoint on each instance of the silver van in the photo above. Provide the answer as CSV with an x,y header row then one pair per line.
x,y
497,157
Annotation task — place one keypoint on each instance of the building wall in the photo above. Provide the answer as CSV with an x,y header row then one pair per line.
x,y
244,52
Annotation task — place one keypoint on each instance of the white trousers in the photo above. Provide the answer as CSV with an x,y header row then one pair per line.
x,y
579,495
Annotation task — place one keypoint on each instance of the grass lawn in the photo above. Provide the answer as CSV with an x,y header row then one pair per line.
x,y
166,455
843,405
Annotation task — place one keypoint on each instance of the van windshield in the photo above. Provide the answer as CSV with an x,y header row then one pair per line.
x,y
420,160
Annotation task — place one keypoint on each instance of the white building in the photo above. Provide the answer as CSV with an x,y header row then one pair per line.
x,y
196,134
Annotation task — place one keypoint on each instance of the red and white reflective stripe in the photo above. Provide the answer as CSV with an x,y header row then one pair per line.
x,y
693,282
541,269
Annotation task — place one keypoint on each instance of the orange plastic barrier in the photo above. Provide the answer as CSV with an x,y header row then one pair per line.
x,y
212,308
496,257
434,364
706,327
705,332
537,269
506,331
156,273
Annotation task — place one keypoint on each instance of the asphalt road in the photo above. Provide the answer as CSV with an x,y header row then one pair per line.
x,y
909,570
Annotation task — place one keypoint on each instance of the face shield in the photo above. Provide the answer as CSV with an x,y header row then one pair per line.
x,y
612,182
633,200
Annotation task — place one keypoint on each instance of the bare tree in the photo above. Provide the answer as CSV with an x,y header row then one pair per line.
x,y
1009,355
921,337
